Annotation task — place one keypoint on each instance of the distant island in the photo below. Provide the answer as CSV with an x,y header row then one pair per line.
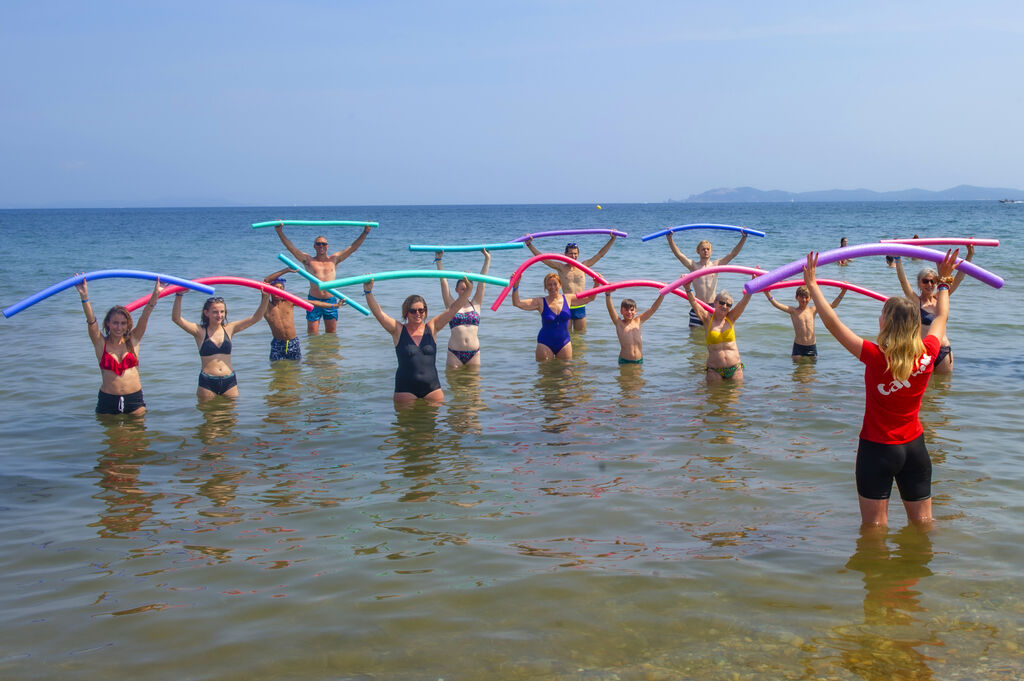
x,y
751,195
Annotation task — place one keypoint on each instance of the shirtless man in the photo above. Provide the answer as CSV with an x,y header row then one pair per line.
x,y
804,344
627,327
704,287
324,267
572,278
280,315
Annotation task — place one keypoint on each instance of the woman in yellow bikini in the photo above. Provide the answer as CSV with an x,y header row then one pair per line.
x,y
723,362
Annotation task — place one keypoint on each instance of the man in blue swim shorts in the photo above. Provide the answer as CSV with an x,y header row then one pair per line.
x,y
572,278
323,266
280,317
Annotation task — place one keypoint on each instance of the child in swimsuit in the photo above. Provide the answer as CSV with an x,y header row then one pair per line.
x,y
464,341
415,348
117,350
802,316
213,338
553,341
627,328
723,361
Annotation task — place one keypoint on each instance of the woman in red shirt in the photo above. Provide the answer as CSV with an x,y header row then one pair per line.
x,y
896,373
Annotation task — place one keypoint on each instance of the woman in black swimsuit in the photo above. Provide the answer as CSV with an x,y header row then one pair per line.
x,y
927,280
415,347
213,338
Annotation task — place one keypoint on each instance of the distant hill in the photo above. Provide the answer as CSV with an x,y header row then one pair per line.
x,y
751,195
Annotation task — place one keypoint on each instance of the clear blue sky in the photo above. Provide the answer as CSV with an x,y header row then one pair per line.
x,y
493,101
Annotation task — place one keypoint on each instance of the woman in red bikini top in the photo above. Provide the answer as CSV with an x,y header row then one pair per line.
x,y
117,349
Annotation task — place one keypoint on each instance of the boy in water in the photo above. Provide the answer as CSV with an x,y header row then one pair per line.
x,y
627,328
804,344
281,319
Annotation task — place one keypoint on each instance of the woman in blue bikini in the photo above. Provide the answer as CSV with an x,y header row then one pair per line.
x,y
415,348
553,339
464,341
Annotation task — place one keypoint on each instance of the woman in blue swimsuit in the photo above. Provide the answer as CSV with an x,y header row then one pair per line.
x,y
553,339
415,348
464,342
213,338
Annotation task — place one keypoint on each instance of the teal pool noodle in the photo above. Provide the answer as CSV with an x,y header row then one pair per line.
x,y
413,274
306,275
489,247
315,223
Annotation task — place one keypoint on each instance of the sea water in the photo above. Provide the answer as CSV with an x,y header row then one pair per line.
x,y
570,520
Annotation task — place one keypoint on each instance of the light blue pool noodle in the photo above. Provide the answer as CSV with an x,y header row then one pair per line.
x,y
309,277
316,223
681,228
104,274
414,274
489,247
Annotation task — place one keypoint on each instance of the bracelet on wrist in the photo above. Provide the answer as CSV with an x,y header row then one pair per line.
x,y
90,322
943,287
85,300
947,280
179,294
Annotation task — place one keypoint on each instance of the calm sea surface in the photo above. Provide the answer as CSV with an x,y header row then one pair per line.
x,y
576,520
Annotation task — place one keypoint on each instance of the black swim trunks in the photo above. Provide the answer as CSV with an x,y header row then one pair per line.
x,y
907,463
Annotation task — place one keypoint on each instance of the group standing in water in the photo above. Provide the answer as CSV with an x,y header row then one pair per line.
x,y
911,345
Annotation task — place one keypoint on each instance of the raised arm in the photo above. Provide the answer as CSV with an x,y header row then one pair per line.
x,y
687,263
847,338
529,244
692,299
776,304
243,324
140,326
292,248
739,307
649,312
190,327
908,290
611,309
446,294
352,247
478,297
590,262
438,322
92,325
735,250
280,273
524,303
838,299
960,275
946,267
390,325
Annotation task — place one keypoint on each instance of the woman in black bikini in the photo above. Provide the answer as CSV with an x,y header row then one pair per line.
x,y
926,299
464,341
213,338
415,347
117,349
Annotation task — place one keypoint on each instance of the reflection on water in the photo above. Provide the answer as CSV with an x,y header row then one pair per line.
x,y
805,372
128,506
283,398
892,641
630,380
323,377
557,388
464,401
220,418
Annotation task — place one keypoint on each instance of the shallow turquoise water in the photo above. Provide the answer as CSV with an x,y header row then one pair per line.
x,y
574,520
